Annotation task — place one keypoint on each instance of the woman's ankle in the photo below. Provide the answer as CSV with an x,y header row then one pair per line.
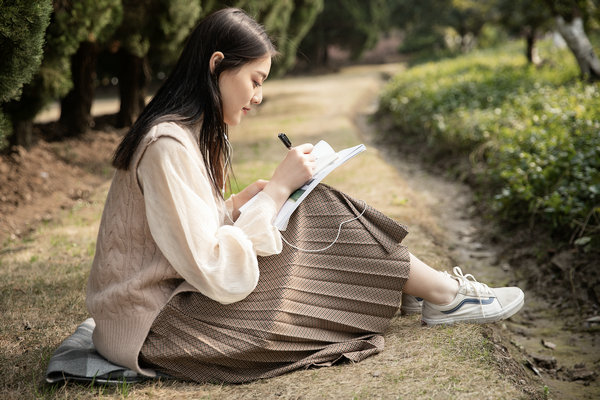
x,y
445,294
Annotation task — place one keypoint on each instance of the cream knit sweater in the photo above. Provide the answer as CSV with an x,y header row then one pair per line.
x,y
164,231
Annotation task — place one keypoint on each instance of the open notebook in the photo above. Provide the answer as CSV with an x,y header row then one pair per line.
x,y
327,159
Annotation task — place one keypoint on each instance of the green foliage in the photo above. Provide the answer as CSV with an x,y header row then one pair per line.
x,y
71,23
534,131
276,17
301,22
22,28
153,28
350,24
164,24
519,16
175,21
569,9
440,25
286,21
157,28
469,16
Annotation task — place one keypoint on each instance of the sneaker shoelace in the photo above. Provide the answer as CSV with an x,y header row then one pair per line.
x,y
472,284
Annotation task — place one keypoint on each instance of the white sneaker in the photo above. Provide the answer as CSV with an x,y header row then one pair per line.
x,y
475,302
411,304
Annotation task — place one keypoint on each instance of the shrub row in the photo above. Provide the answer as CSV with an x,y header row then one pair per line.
x,y
532,133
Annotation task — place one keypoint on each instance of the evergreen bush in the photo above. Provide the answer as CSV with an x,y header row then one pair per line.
x,y
22,28
533,134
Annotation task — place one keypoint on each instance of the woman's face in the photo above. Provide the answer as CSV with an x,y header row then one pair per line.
x,y
242,88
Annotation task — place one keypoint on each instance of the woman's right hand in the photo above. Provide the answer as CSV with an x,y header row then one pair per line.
x,y
294,171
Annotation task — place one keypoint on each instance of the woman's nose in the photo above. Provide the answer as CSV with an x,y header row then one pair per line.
x,y
257,98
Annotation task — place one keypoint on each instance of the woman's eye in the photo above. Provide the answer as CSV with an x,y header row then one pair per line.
x,y
257,84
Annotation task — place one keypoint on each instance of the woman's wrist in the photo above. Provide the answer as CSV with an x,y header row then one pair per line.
x,y
277,192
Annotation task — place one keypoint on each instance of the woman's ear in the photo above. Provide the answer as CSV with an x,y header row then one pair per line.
x,y
215,59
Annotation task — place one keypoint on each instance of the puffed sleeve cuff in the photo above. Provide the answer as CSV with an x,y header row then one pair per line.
x,y
257,223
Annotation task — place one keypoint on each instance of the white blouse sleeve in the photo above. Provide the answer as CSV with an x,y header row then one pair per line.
x,y
184,219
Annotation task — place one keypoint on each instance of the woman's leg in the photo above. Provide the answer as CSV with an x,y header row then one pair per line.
x,y
429,284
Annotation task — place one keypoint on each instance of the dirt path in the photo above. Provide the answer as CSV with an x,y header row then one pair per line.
x,y
444,362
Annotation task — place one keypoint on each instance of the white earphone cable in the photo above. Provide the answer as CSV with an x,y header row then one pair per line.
x,y
332,243
227,161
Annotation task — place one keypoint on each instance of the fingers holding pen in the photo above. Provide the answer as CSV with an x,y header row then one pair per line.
x,y
303,154
305,148
296,168
294,171
303,151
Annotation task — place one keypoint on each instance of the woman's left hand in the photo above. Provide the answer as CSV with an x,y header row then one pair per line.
x,y
245,195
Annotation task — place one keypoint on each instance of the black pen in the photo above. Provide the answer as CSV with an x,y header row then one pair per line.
x,y
283,137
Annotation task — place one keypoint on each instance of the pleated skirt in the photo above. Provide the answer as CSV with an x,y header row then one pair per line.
x,y
315,303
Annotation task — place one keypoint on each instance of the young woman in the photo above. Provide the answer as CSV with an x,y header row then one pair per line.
x,y
186,284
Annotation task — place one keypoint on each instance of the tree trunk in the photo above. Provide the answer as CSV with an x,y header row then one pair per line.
x,y
580,45
22,133
531,50
76,106
133,79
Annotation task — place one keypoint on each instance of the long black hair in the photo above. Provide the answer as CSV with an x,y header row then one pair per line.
x,y
190,96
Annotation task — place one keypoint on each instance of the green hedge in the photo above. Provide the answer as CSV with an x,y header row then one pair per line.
x,y
532,133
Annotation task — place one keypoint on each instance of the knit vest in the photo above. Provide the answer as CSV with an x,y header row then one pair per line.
x,y
131,280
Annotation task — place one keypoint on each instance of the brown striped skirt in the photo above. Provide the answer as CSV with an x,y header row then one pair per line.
x,y
308,309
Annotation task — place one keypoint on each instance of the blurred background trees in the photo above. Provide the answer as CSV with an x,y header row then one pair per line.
x,y
97,20
526,18
350,25
153,30
135,42
527,125
71,23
